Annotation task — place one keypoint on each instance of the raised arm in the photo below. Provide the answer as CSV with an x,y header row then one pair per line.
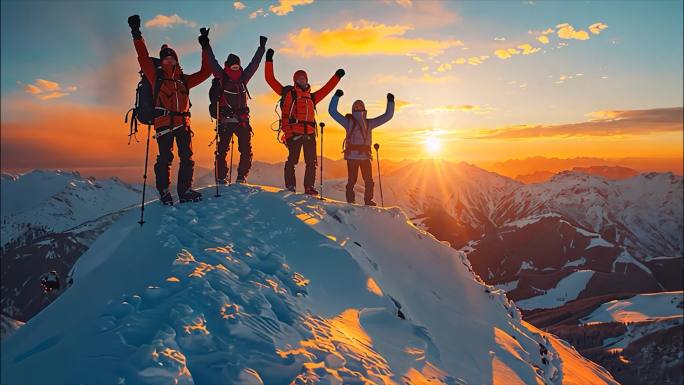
x,y
146,64
270,77
256,59
207,58
332,109
384,118
328,87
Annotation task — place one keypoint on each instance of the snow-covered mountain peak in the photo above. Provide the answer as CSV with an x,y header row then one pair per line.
x,y
55,200
268,287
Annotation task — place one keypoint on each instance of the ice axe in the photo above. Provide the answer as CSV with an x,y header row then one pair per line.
x,y
376,146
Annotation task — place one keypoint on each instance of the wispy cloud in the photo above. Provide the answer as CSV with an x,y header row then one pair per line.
x,y
596,28
405,3
363,38
425,78
239,5
47,89
602,124
286,6
472,108
567,31
163,21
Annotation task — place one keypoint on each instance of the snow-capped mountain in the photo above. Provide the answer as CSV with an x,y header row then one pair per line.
x,y
601,236
49,218
639,338
53,201
267,287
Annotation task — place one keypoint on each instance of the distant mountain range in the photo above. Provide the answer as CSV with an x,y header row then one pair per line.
x,y
560,248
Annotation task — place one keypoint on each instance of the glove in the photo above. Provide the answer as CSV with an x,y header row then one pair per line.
x,y
269,54
339,93
134,22
390,97
262,41
203,38
339,73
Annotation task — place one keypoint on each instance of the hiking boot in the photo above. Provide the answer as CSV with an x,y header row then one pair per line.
x,y
222,181
190,196
370,203
165,198
241,180
291,188
311,191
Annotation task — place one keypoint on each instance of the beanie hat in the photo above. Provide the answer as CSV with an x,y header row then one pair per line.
x,y
167,51
232,60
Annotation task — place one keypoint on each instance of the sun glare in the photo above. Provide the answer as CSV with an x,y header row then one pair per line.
x,y
432,145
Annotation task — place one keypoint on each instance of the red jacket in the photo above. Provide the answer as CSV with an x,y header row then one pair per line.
x,y
298,118
173,94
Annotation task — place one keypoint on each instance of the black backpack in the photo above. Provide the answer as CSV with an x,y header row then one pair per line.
x,y
145,101
215,94
144,110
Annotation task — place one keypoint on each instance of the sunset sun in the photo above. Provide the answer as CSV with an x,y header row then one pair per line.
x,y
432,145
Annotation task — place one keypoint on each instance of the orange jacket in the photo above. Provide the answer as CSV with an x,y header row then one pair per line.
x,y
298,116
173,94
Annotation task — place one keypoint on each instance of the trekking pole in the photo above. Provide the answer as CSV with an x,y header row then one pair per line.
x,y
230,173
147,153
321,183
376,146
216,140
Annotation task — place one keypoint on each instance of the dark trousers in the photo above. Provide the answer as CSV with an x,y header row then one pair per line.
x,y
162,168
244,139
353,174
294,147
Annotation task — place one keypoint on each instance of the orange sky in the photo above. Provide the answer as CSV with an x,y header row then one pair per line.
x,y
481,83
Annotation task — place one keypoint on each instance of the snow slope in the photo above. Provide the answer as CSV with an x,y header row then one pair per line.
x,y
54,201
565,291
261,286
642,307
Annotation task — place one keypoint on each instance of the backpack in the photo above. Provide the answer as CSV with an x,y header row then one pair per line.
x,y
214,96
281,103
144,110
215,93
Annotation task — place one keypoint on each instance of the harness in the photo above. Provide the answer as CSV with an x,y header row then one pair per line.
x,y
163,111
347,148
230,113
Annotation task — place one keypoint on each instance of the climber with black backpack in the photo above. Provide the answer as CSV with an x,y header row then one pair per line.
x,y
357,143
228,96
298,121
169,102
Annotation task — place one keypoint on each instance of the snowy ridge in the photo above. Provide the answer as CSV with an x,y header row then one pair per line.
x,y
642,307
53,201
265,287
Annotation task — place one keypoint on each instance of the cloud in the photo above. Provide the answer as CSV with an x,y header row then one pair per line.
x,y
596,28
477,60
426,78
47,89
506,53
286,6
363,38
444,67
566,31
163,21
239,5
528,49
256,13
499,39
476,109
402,104
602,124
543,39
405,3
